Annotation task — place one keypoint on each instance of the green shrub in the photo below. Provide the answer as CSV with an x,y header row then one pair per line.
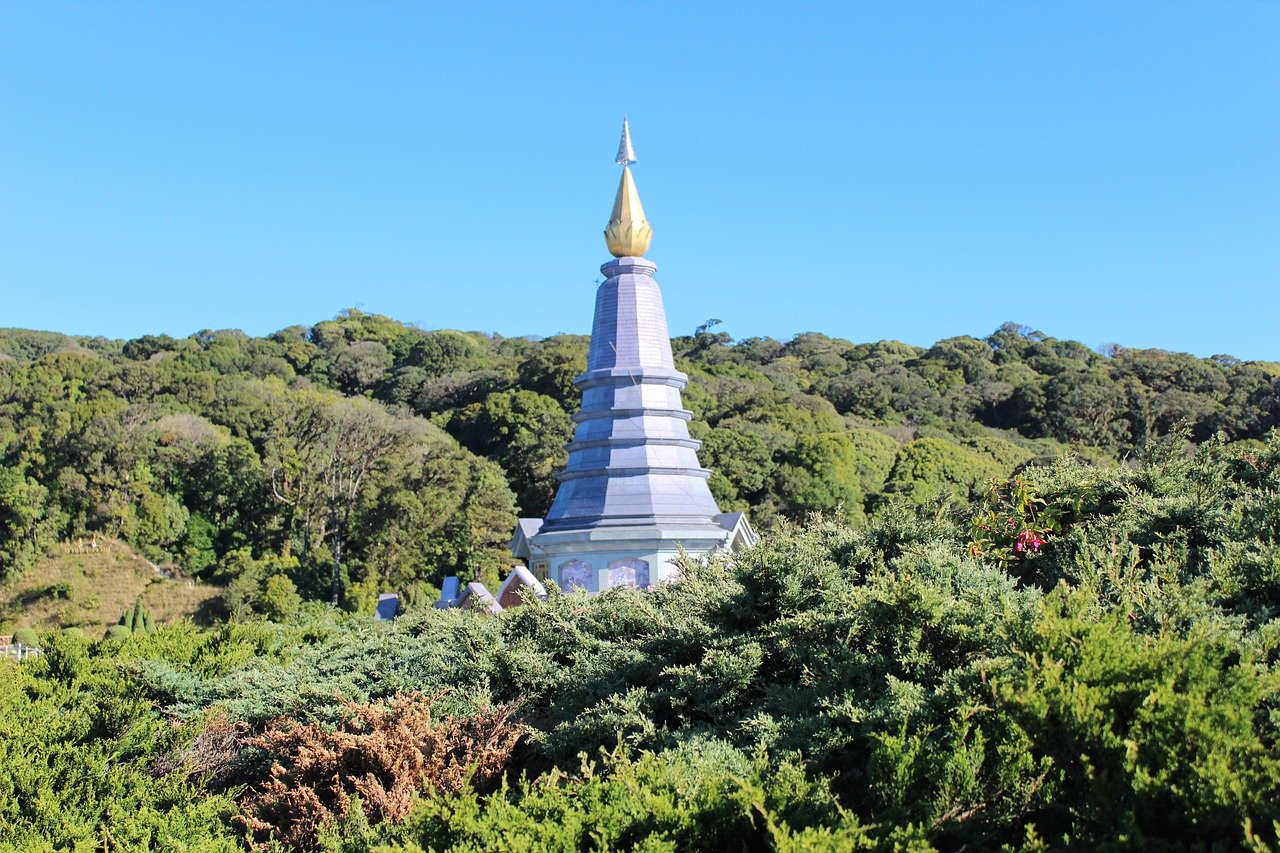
x,y
703,797
280,600
26,637
118,632
1159,739
916,682
83,753
136,620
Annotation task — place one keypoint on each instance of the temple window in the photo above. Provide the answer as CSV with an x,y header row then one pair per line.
x,y
576,574
629,572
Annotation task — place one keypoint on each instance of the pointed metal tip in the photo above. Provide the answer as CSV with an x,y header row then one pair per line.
x,y
626,154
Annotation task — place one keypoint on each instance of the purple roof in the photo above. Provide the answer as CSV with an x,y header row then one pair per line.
x,y
631,461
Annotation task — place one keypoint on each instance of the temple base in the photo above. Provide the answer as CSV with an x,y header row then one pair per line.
x,y
602,557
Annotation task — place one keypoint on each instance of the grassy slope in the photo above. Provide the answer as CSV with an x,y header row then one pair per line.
x,y
74,586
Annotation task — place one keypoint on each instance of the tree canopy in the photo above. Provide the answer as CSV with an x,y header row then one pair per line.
x,y
409,453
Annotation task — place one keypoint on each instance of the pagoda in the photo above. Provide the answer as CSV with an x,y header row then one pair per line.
x,y
633,496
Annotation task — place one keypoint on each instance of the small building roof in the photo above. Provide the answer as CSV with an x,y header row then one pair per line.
x,y
509,594
477,597
526,529
740,533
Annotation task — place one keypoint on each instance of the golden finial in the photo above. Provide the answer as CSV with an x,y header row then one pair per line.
x,y
628,232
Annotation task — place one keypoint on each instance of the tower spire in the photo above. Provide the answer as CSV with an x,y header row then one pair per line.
x,y
628,233
626,154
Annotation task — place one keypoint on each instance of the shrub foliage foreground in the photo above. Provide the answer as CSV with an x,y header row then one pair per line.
x,y
382,755
1088,658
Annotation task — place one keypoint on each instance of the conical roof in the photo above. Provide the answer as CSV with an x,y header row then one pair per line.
x,y
632,462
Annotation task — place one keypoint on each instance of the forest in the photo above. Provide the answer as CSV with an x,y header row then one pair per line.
x,y
1011,593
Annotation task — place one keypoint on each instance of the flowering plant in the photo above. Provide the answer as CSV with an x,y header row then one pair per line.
x,y
1013,523
1027,540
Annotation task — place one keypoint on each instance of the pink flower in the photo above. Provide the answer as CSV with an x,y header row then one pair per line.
x,y
1028,539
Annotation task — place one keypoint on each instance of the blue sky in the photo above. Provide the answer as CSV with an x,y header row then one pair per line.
x,y
1107,172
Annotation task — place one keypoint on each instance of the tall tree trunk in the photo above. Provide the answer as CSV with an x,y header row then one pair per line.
x,y
337,565
286,546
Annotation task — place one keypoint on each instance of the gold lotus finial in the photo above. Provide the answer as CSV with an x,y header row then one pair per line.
x,y
628,232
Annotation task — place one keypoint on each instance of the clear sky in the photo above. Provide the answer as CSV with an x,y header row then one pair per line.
x,y
1108,172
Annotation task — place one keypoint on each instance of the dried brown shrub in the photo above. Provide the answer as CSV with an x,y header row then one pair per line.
x,y
384,753
213,755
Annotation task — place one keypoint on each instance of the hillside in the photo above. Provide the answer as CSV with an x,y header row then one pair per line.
x,y
78,585
213,452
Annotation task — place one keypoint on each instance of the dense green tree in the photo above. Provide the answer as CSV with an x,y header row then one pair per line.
x,y
445,351
523,431
820,474
931,467
551,368
359,366
875,454
742,464
25,528
280,599
434,510
971,358
147,346
293,453
356,438
295,346
193,448
886,394
819,354
1085,406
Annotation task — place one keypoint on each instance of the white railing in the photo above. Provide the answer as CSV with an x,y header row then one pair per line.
x,y
19,651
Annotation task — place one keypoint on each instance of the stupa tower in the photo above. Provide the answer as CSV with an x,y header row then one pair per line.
x,y
633,494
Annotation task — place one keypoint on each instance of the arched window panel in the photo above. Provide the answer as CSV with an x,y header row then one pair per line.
x,y
577,574
629,572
